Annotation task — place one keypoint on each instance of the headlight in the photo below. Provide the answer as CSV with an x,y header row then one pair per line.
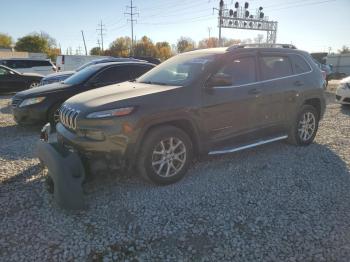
x,y
32,101
342,86
110,113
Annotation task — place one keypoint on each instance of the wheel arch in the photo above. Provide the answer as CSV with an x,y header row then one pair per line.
x,y
316,103
184,124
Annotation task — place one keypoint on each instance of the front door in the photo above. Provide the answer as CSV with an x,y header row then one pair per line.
x,y
229,107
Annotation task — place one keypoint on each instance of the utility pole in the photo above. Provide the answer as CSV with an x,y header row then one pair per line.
x,y
221,10
101,29
220,20
99,45
82,34
131,13
209,40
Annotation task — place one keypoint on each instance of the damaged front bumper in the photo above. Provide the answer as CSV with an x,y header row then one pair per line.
x,y
65,168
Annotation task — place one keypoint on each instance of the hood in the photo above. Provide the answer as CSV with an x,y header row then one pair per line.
x,y
114,93
32,74
58,74
345,80
54,87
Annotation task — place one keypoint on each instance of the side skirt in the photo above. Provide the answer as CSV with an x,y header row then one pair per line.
x,y
235,149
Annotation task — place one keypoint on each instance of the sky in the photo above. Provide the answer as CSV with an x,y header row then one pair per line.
x,y
311,25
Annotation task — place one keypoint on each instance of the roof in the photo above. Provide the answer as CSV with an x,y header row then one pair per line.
x,y
247,48
101,65
35,59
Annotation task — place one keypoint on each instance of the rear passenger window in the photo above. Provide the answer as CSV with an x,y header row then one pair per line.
x,y
275,67
40,63
241,70
17,64
300,65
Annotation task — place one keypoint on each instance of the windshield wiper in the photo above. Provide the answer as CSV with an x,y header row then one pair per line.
x,y
155,83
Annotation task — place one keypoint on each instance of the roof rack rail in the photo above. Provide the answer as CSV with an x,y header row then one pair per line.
x,y
263,45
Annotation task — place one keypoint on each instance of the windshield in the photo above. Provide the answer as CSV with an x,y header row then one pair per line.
x,y
178,71
85,66
81,76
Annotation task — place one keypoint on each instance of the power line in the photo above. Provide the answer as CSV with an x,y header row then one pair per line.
x,y
131,20
101,29
301,5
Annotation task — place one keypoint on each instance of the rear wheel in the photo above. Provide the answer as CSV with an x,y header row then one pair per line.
x,y
305,127
34,84
165,155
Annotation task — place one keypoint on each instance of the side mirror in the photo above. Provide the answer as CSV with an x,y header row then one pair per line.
x,y
219,80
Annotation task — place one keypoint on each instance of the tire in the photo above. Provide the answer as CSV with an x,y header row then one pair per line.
x,y
51,116
304,135
33,84
159,163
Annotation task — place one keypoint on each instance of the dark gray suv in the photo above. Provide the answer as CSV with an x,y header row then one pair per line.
x,y
210,101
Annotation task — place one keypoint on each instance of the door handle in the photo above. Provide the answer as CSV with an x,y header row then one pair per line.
x,y
254,91
298,83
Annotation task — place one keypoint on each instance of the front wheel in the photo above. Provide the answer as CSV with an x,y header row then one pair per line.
x,y
305,127
165,155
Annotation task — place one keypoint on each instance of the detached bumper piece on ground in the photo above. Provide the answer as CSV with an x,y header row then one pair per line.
x,y
66,170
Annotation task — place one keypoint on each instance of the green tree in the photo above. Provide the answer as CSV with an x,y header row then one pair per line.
x,y
163,50
208,42
145,47
185,44
96,51
120,47
344,50
230,42
32,43
5,41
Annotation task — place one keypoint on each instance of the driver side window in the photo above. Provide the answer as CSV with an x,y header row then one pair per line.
x,y
239,71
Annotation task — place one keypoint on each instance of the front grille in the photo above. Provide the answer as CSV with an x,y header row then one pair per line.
x,y
16,102
346,100
68,117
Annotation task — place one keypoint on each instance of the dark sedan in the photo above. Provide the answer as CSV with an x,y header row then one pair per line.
x,y
41,104
13,81
61,76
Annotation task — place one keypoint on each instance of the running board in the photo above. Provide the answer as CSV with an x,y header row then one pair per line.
x,y
235,149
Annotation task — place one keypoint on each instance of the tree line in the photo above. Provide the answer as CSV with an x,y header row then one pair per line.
x,y
121,47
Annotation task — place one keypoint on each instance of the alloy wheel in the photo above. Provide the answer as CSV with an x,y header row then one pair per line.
x,y
307,126
34,84
169,157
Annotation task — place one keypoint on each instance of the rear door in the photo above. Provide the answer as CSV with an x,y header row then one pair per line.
x,y
229,111
278,94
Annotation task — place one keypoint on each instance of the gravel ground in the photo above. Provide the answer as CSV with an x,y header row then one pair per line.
x,y
273,203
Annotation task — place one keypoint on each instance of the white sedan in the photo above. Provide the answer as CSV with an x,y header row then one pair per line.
x,y
343,91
